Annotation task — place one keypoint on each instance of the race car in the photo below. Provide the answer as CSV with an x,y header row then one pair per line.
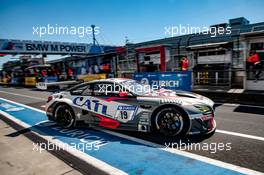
x,y
126,104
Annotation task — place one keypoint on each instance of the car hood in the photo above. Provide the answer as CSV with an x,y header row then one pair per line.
x,y
179,96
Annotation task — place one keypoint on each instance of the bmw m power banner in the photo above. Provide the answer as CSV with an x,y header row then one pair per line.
x,y
180,80
28,47
45,47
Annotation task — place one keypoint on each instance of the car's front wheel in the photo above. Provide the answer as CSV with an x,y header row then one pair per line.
x,y
64,116
170,121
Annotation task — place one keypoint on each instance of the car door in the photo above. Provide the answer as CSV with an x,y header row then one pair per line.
x,y
107,94
81,97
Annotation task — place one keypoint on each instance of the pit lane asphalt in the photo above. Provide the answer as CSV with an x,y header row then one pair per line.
x,y
245,152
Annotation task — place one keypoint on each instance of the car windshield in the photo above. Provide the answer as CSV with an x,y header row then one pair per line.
x,y
136,87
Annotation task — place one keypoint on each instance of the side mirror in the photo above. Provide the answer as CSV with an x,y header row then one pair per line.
x,y
123,94
76,92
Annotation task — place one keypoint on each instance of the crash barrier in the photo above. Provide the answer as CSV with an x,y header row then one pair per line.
x,y
125,155
169,80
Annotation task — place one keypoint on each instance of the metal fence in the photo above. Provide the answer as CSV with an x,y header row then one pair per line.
x,y
226,77
212,77
255,74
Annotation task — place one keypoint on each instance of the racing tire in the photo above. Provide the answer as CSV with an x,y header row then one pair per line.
x,y
64,116
170,121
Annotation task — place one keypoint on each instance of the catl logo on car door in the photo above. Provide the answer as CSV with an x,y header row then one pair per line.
x,y
115,110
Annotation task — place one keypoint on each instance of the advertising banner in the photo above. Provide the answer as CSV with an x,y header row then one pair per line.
x,y
50,79
30,81
179,80
42,47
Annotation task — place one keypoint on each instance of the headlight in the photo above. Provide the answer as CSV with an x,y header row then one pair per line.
x,y
203,108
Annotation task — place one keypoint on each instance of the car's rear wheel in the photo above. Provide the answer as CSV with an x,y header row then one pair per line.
x,y
171,122
64,116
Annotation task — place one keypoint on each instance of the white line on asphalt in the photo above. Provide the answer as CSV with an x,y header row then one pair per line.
x,y
26,106
11,93
174,151
240,135
236,105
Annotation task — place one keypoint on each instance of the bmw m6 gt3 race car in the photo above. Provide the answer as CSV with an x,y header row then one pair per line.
x,y
125,104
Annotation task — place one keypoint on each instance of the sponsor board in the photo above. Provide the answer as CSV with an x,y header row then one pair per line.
x,y
179,80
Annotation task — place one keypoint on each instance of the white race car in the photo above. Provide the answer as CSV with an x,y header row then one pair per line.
x,y
125,104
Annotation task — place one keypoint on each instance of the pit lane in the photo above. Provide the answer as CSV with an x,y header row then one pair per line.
x,y
245,152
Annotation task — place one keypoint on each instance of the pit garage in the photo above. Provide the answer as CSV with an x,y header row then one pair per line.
x,y
152,58
254,41
212,64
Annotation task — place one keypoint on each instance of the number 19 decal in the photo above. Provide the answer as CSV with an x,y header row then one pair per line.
x,y
125,113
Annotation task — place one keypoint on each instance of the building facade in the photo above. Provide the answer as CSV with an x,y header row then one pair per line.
x,y
218,61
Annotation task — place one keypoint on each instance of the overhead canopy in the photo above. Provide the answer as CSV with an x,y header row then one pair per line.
x,y
253,33
207,45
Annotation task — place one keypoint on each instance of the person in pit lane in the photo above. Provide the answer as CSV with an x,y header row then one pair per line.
x,y
254,64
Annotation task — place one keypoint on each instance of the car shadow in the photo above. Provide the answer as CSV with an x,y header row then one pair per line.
x,y
250,110
74,135
164,140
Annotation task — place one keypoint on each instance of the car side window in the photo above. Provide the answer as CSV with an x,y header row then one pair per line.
x,y
79,89
106,89
88,91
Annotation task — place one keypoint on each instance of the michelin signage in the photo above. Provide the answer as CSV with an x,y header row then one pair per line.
x,y
179,80
24,47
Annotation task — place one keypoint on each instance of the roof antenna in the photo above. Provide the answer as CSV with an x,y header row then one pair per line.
x,y
94,40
